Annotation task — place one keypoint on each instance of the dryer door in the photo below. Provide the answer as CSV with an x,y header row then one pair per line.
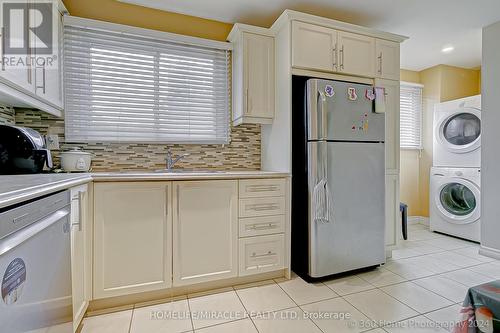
x,y
457,200
461,132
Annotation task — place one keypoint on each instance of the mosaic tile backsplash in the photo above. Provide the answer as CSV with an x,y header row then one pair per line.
x,y
242,153
7,115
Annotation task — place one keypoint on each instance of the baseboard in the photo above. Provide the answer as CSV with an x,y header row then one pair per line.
x,y
489,252
418,220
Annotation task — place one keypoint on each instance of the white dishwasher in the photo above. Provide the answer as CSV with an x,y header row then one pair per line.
x,y
35,266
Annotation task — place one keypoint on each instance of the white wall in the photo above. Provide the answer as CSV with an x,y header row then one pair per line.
x,y
490,157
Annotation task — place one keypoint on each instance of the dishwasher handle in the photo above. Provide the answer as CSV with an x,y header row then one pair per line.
x,y
17,238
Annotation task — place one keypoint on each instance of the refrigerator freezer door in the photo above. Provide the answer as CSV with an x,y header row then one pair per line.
x,y
341,111
353,237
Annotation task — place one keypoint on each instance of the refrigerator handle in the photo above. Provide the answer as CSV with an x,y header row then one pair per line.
x,y
323,205
323,115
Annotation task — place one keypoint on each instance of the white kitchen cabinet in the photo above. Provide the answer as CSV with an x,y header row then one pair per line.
x,y
262,225
34,85
356,54
392,91
48,78
205,231
261,254
258,188
392,216
253,76
81,243
387,54
314,47
132,237
20,77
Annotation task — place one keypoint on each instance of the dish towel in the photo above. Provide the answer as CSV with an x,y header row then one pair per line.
x,y
323,208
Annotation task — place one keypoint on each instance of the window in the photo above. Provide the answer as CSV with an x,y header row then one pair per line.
x,y
134,85
411,116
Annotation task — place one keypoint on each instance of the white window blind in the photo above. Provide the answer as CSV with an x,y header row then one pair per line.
x,y
411,116
122,87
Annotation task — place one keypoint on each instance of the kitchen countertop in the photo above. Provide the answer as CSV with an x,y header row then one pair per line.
x,y
185,175
15,189
18,188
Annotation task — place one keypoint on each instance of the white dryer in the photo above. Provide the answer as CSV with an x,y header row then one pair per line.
x,y
457,133
455,202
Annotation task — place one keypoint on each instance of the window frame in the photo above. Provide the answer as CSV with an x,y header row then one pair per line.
x,y
78,22
419,86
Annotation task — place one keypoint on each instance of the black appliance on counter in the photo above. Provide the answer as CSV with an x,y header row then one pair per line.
x,y
22,150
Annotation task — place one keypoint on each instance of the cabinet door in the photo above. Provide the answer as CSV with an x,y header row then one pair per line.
x,y
48,76
356,54
392,91
314,47
132,238
258,53
387,59
80,243
392,216
205,231
12,73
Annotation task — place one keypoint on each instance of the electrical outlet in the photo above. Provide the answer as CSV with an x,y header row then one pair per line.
x,y
52,141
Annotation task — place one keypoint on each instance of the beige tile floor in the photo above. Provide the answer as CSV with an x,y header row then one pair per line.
x,y
419,290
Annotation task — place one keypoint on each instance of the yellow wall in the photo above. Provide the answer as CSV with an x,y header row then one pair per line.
x,y
410,76
441,83
410,159
123,13
431,79
458,82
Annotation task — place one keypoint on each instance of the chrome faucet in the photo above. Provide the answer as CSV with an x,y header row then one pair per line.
x,y
171,161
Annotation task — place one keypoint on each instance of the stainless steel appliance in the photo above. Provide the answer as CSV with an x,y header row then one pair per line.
x,y
35,267
22,150
338,190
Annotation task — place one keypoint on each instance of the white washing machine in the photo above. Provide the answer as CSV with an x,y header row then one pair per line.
x,y
457,133
455,202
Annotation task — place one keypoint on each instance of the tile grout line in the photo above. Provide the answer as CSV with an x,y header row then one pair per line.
x,y
246,310
131,318
190,313
421,313
299,306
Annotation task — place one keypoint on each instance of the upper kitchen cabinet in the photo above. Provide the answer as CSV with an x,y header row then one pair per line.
x,y
391,88
314,47
356,54
387,53
31,70
253,75
20,77
48,76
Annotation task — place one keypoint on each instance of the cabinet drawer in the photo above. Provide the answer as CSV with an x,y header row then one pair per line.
x,y
258,226
258,188
261,254
262,206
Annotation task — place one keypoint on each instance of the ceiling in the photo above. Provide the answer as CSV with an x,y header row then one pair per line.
x,y
430,24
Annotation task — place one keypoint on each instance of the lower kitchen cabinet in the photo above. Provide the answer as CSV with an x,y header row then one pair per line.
x,y
392,216
132,237
81,262
205,231
261,254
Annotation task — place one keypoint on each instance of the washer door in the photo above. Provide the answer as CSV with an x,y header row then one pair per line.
x,y
457,200
461,132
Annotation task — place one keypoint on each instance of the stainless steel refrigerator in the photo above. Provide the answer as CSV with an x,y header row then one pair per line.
x,y
345,173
